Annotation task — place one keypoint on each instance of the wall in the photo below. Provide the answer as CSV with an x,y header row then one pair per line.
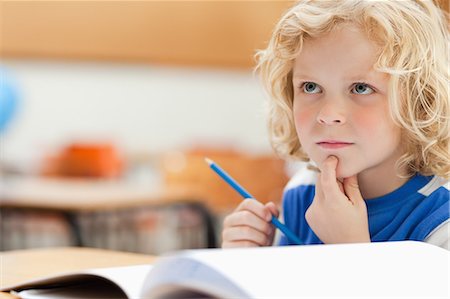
x,y
141,107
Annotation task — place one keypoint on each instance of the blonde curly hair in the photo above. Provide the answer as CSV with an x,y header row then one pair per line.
x,y
413,37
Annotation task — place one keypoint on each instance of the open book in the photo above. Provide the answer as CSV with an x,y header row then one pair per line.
x,y
396,269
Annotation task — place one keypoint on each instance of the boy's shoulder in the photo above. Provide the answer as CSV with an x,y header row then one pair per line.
x,y
302,177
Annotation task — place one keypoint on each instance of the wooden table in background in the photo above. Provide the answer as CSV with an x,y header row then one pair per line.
x,y
71,196
74,195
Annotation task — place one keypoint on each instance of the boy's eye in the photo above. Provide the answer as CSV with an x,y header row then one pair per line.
x,y
362,88
311,87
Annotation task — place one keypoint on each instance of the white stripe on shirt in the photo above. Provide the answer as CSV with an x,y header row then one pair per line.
x,y
434,184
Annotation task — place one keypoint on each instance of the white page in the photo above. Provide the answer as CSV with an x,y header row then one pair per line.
x,y
181,276
392,269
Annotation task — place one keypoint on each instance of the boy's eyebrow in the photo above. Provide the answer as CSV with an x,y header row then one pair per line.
x,y
301,76
370,75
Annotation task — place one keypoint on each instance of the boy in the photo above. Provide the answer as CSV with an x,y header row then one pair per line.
x,y
360,89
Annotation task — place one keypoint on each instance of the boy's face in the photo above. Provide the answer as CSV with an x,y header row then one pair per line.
x,y
341,104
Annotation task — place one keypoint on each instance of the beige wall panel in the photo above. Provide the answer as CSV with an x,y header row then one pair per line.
x,y
211,33
220,33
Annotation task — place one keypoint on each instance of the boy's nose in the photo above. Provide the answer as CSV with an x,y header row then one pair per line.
x,y
331,114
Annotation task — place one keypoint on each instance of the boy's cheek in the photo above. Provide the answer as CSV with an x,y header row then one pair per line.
x,y
367,122
373,121
304,125
304,120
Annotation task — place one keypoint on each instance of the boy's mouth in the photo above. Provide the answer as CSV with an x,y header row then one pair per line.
x,y
333,144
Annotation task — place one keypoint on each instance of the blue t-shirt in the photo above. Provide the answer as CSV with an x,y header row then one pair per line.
x,y
411,212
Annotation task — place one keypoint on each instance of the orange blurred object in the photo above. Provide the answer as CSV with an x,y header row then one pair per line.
x,y
93,160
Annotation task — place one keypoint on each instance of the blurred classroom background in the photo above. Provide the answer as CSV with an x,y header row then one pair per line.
x,y
108,109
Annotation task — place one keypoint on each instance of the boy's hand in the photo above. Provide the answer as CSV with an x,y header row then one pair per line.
x,y
338,213
249,225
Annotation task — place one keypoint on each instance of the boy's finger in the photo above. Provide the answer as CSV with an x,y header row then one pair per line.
x,y
244,233
351,188
247,218
318,188
273,209
328,177
256,208
239,244
341,186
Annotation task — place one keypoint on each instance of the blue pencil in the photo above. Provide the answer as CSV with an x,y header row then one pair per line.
x,y
222,173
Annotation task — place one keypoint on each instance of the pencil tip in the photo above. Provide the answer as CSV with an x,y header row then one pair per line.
x,y
209,161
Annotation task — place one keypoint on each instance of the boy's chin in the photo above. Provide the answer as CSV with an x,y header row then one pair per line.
x,y
344,171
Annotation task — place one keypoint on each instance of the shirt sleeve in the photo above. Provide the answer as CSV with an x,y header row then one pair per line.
x,y
440,236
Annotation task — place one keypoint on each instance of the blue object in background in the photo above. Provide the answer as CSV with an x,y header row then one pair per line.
x,y
8,99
